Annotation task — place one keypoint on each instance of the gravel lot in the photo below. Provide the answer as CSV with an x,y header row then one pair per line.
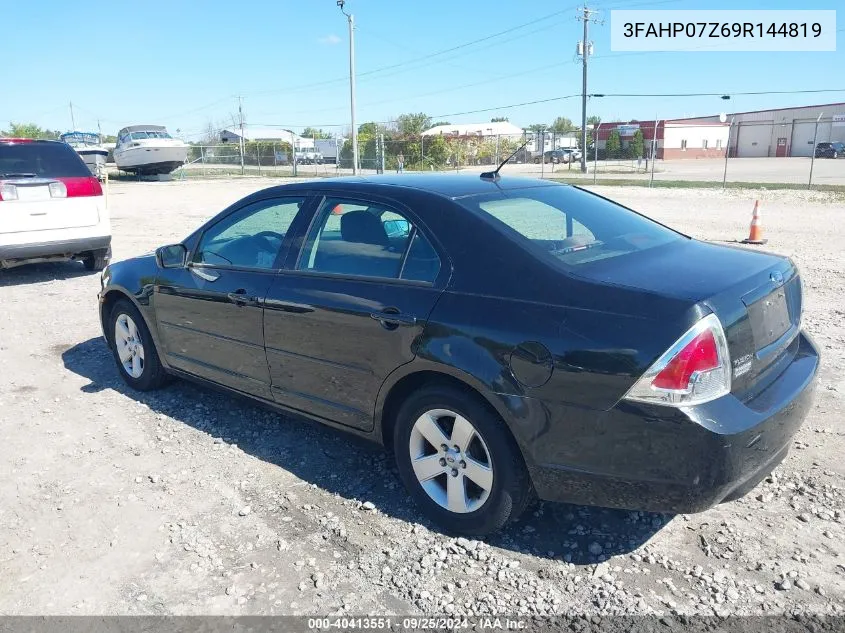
x,y
185,501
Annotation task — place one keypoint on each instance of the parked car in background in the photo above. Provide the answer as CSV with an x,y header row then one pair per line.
x,y
559,156
309,156
830,150
51,206
506,337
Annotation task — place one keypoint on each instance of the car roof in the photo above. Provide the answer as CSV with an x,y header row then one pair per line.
x,y
451,186
14,141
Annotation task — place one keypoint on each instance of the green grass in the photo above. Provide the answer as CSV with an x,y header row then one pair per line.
x,y
696,184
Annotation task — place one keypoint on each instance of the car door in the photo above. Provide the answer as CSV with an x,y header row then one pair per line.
x,y
349,307
209,313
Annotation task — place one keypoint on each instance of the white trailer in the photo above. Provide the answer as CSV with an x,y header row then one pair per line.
x,y
329,148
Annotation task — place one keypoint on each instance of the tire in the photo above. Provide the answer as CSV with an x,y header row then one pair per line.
x,y
145,373
491,455
97,260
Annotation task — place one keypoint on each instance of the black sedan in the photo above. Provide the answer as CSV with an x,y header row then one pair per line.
x,y
830,150
506,338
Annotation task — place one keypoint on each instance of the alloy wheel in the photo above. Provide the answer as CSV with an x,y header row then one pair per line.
x,y
451,461
130,347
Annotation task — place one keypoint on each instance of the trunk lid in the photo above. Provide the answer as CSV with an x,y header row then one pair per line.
x,y
757,297
36,210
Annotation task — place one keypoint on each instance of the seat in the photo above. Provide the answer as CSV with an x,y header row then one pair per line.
x,y
364,228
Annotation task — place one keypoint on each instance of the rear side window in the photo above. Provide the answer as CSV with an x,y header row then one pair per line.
x,y
43,160
574,226
351,237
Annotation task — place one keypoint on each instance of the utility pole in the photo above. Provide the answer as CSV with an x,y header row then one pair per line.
x,y
351,20
72,120
241,118
585,49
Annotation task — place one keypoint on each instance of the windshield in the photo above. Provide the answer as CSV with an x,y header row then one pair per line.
x,y
136,136
574,226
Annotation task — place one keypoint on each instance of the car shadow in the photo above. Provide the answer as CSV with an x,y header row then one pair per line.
x,y
43,272
353,468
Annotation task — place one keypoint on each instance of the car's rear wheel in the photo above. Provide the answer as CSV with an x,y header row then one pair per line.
x,y
459,462
97,260
133,348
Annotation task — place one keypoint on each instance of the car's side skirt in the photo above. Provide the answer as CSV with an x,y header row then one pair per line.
x,y
274,406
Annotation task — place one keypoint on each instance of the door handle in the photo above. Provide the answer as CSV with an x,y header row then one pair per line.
x,y
390,318
239,297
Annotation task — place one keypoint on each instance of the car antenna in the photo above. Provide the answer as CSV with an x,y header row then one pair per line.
x,y
494,175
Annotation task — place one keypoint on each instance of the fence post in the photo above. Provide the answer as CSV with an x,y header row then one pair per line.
x,y
654,152
813,155
727,153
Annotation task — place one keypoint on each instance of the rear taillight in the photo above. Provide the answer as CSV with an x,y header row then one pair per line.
x,y
696,369
82,186
58,189
8,191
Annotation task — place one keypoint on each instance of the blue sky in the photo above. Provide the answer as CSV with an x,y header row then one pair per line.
x,y
182,63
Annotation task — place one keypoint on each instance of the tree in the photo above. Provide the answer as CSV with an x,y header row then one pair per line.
x,y
562,125
593,120
409,125
537,127
614,145
311,132
637,145
368,129
436,152
28,130
498,119
436,123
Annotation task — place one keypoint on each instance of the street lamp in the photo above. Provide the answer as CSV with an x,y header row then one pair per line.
x,y
351,20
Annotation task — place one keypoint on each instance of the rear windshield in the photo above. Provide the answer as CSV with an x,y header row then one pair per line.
x,y
574,226
48,160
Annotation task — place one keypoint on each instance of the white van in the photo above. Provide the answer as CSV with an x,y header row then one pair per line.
x,y
51,206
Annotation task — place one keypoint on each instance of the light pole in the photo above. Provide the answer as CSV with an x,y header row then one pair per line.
x,y
351,20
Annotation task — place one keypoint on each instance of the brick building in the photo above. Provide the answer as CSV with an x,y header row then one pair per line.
x,y
676,138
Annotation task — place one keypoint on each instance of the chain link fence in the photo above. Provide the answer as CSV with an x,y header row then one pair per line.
x,y
704,153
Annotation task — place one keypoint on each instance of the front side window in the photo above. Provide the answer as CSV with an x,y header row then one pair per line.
x,y
250,237
574,226
352,237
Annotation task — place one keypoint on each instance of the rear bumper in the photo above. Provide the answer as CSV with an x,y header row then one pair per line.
x,y
63,248
659,459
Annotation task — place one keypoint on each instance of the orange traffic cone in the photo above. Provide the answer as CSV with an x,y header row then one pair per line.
x,y
338,209
755,234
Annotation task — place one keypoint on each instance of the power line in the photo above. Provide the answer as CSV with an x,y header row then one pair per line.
x,y
717,94
427,59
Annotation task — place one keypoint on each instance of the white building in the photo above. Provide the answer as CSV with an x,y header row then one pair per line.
x,y
252,133
784,131
502,129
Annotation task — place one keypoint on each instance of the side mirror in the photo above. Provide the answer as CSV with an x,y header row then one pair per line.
x,y
172,256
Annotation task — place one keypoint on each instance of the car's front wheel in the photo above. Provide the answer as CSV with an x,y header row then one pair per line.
x,y
459,462
133,348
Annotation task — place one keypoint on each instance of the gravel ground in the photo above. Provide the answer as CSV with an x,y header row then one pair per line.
x,y
184,501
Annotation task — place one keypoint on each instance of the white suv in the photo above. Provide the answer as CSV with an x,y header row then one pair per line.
x,y
51,206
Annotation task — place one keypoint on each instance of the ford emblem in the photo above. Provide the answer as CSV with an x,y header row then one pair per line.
x,y
776,278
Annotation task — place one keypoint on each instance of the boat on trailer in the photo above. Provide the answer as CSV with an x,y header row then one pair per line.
x,y
90,148
148,150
